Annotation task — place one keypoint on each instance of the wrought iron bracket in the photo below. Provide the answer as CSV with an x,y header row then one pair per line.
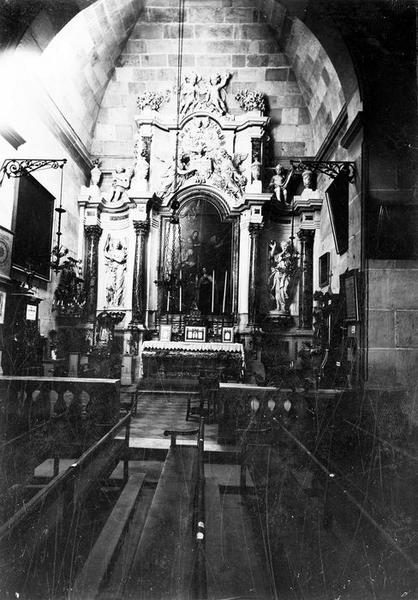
x,y
19,167
330,168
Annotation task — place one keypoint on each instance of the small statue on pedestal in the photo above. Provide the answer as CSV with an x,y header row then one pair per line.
x,y
279,183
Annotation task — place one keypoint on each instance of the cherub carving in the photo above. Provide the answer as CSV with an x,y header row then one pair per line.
x,y
189,92
215,84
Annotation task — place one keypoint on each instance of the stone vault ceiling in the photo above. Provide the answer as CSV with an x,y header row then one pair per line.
x,y
78,65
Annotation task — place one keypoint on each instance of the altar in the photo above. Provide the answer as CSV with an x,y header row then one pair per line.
x,y
179,360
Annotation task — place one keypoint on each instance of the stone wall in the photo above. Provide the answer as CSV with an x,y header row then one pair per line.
x,y
88,48
218,35
393,328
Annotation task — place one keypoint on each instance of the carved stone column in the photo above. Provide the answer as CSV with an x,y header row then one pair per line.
x,y
254,230
306,237
139,278
92,233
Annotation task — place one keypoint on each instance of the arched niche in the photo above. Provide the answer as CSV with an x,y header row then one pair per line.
x,y
205,256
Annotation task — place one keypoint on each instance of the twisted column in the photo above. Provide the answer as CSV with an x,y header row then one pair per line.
x,y
139,278
306,237
254,230
92,233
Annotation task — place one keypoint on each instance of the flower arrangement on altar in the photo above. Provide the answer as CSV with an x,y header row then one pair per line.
x,y
250,100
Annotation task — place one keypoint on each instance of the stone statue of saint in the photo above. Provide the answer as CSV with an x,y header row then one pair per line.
x,y
121,182
279,182
96,174
115,253
279,275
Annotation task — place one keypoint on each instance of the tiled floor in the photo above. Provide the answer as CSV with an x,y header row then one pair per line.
x,y
157,413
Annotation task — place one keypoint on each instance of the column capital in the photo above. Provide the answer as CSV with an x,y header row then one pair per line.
x,y
141,227
94,231
255,228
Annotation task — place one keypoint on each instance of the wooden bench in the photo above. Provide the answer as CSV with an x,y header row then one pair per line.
x,y
54,509
163,564
99,561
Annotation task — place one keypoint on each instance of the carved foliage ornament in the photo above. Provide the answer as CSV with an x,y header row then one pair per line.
x,y
204,159
249,100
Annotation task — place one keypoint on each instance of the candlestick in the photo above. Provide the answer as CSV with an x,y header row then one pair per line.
x,y
180,292
213,290
168,301
224,298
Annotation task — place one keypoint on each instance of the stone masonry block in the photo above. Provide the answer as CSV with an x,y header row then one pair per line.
x,y
246,74
151,74
129,60
188,60
381,329
215,32
148,31
392,288
154,60
276,115
172,31
254,31
263,47
135,47
283,148
221,61
124,132
277,74
105,132
239,14
406,324
290,116
161,15
205,14
166,46
238,60
266,60
123,148
304,117
137,87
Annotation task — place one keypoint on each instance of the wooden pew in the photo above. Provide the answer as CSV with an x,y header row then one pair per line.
x,y
53,510
163,566
99,561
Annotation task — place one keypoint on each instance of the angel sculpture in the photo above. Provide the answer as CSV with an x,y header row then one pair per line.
x,y
214,99
188,92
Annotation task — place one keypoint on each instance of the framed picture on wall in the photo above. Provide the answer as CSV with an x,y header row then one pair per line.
x,y
324,266
337,202
6,244
350,281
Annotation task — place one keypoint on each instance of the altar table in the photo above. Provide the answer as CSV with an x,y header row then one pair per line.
x,y
188,359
